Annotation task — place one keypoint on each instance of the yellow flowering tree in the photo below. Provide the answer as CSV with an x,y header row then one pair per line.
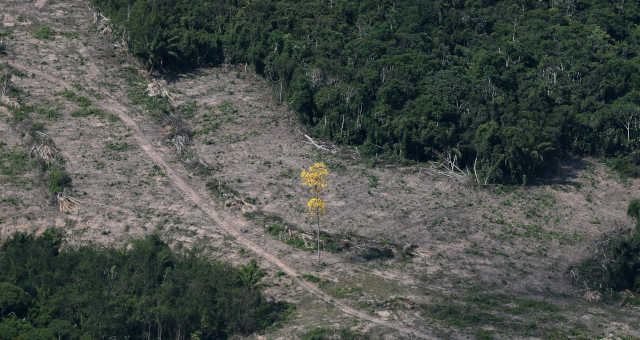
x,y
316,179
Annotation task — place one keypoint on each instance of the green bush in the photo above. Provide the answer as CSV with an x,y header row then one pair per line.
x,y
625,165
117,146
71,96
147,291
633,210
88,111
45,33
58,180
615,266
374,253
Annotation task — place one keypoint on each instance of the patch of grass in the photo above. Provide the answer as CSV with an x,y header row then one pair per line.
x,y
113,118
227,108
157,171
88,111
311,278
336,166
70,34
208,125
460,315
484,335
13,163
289,173
189,110
320,333
342,292
537,232
14,201
48,113
71,96
509,314
45,33
373,181
281,232
114,146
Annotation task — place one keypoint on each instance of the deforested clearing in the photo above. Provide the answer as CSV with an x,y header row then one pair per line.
x,y
439,231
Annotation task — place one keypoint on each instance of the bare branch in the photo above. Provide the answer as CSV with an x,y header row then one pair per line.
x,y
312,142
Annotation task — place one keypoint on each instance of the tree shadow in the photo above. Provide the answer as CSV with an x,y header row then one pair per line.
x,y
174,76
565,172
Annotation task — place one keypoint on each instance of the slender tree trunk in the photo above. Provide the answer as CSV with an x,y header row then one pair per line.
x,y
318,229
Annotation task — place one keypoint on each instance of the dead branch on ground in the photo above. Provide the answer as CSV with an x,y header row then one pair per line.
x,y
181,143
156,88
66,203
321,147
44,148
448,166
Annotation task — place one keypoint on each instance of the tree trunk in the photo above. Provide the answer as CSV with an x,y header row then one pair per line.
x,y
318,229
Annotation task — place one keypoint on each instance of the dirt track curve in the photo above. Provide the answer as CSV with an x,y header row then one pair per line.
x,y
229,224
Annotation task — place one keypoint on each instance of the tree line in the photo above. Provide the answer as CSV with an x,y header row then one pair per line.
x,y
51,290
509,87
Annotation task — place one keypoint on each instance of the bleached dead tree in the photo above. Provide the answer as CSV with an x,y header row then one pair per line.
x,y
629,117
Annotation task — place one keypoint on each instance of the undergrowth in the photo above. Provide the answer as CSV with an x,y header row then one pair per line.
x,y
614,266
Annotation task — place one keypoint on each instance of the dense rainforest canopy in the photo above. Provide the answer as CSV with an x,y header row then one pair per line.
x,y
48,291
511,86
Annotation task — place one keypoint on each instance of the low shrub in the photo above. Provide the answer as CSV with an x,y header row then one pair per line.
x,y
58,180
615,263
45,33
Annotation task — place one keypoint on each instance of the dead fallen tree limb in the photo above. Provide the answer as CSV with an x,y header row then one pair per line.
x,y
44,148
324,148
66,203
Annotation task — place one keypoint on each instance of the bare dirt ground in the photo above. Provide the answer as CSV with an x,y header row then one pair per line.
x,y
489,262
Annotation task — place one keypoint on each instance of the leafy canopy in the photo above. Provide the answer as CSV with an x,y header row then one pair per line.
x,y
49,290
509,86
315,177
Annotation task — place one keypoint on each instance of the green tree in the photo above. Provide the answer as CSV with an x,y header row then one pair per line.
x,y
633,211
